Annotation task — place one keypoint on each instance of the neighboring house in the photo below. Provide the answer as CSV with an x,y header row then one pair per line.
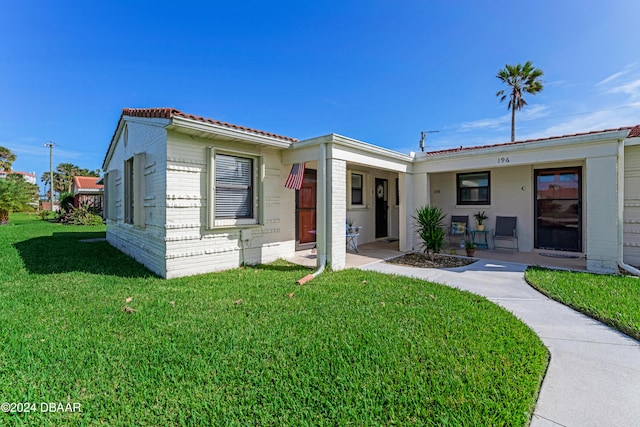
x,y
187,195
87,192
30,177
46,206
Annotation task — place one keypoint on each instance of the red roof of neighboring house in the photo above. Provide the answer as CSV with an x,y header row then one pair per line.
x,y
634,132
168,113
87,183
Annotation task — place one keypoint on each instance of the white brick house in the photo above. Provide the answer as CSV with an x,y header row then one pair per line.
x,y
188,195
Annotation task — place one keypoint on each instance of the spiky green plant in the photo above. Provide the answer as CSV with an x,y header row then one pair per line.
x,y
430,228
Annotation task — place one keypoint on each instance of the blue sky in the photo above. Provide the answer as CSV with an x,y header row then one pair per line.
x,y
377,71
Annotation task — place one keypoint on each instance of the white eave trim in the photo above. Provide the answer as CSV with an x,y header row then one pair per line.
x,y
611,136
632,141
353,143
88,192
184,123
154,121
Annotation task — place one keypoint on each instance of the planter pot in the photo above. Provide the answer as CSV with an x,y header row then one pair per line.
x,y
471,253
480,227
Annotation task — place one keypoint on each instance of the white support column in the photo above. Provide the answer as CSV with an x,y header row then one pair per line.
x,y
406,211
421,197
601,224
336,212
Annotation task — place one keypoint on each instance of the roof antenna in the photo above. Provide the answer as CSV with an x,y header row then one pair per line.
x,y
423,137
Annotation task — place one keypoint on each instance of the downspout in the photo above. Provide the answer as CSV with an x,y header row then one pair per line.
x,y
321,236
628,268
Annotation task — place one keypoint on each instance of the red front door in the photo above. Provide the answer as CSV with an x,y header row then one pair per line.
x,y
306,211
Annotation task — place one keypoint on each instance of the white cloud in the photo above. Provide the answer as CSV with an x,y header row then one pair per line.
x,y
489,123
626,70
559,83
598,120
532,112
631,88
333,103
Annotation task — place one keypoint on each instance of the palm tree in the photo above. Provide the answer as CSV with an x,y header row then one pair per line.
x,y
6,159
63,176
67,172
520,79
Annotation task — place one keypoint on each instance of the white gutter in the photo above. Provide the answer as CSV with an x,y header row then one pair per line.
x,y
321,221
527,145
215,129
628,268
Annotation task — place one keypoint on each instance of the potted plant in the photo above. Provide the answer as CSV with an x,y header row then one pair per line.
x,y
480,217
471,248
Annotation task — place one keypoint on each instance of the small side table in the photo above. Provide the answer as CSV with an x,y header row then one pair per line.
x,y
481,244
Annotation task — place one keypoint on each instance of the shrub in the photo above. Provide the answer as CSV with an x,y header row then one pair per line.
x,y
43,214
80,216
4,216
430,229
66,202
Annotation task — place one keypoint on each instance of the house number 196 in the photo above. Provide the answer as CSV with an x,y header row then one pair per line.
x,y
503,160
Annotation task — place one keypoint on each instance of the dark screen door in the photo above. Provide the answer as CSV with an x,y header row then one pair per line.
x,y
382,203
558,209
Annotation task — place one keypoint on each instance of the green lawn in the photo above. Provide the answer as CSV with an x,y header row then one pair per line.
x,y
248,346
614,300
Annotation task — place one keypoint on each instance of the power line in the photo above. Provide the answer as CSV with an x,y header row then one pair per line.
x,y
546,118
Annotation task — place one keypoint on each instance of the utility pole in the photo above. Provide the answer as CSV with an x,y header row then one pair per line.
x,y
423,137
50,145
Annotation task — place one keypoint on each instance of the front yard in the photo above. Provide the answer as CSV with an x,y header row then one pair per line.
x,y
248,346
614,300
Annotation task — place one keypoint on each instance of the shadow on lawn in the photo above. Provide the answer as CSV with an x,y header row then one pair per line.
x,y
65,253
282,266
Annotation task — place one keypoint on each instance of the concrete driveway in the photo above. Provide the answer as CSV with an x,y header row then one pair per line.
x,y
594,373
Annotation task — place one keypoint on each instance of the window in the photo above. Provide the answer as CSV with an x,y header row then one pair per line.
x,y
234,186
134,190
473,188
357,193
234,189
129,202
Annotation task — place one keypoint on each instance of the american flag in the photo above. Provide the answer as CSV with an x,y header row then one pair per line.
x,y
296,175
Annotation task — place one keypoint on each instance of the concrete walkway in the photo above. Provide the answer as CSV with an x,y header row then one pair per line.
x,y
594,373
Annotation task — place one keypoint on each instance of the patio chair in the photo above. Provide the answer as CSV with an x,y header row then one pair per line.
x,y
506,229
459,228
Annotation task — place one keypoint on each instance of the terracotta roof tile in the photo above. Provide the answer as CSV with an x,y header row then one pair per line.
x,y
168,113
87,183
635,131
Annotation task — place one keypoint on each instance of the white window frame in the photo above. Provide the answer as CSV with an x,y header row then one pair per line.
x,y
257,190
134,186
365,182
459,188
